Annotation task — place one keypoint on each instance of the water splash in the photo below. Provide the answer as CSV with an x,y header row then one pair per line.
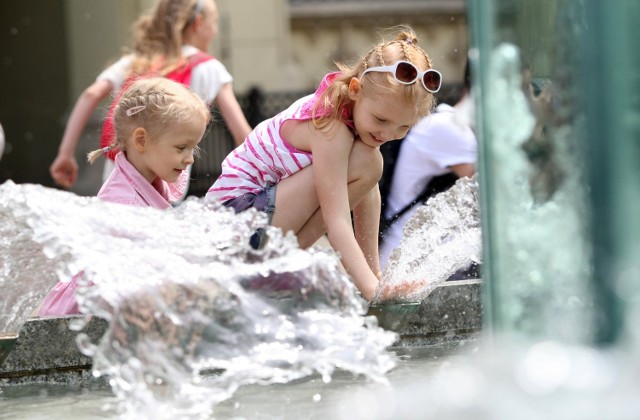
x,y
26,274
442,237
194,312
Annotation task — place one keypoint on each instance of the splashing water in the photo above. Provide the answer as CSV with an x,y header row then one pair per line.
x,y
194,312
441,237
26,274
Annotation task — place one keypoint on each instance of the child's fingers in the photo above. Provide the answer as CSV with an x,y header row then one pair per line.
x,y
400,290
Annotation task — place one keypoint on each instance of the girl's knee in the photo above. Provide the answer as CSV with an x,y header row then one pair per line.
x,y
365,163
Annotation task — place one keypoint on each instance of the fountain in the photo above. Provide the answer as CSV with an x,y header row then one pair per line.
x,y
185,297
558,199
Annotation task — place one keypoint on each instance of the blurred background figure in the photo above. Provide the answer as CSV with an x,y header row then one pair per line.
x,y
437,151
175,50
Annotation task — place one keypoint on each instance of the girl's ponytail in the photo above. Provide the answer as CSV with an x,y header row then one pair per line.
x,y
92,156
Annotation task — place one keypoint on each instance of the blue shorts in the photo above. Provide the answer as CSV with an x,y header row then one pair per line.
x,y
264,201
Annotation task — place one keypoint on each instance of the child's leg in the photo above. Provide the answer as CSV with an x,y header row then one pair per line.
x,y
297,205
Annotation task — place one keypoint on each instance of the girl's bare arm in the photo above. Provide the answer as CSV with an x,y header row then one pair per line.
x,y
464,169
330,165
366,220
233,116
64,169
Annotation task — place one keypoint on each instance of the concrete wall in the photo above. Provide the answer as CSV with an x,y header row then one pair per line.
x,y
46,349
34,83
318,44
255,44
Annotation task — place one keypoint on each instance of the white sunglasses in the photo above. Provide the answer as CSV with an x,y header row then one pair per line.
x,y
406,73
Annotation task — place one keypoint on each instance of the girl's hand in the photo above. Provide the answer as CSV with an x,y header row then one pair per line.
x,y
402,291
64,171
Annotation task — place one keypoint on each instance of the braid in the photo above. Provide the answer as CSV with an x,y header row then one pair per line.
x,y
153,104
403,47
365,60
151,98
379,54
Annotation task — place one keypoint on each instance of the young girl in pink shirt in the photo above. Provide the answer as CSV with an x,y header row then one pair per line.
x,y
158,126
316,163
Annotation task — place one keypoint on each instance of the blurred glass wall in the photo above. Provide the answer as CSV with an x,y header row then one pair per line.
x,y
559,113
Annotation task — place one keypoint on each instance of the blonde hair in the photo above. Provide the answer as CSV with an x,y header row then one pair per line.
x,y
158,35
153,103
404,46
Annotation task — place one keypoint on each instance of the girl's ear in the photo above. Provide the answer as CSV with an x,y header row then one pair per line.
x,y
197,23
140,140
354,88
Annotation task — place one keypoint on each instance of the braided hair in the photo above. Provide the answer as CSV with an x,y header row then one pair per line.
x,y
153,103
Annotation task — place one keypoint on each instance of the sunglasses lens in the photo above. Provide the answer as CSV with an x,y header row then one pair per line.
x,y
432,80
406,72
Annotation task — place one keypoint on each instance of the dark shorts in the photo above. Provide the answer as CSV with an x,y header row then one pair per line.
x,y
264,201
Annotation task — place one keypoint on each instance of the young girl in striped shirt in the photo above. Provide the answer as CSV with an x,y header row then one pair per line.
x,y
315,164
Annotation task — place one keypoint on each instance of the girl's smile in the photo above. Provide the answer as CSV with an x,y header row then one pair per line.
x,y
171,153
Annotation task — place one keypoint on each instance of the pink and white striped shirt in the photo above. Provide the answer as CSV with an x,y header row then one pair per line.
x,y
265,158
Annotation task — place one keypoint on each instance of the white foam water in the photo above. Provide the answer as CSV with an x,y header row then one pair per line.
x,y
443,236
194,312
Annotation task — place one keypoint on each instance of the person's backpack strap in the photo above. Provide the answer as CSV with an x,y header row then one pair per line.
x,y
182,74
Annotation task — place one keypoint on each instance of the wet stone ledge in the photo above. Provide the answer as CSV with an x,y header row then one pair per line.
x,y
452,312
46,349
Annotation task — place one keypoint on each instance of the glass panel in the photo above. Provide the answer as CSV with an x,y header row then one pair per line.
x,y
557,89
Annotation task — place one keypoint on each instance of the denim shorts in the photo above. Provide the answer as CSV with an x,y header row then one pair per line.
x,y
264,201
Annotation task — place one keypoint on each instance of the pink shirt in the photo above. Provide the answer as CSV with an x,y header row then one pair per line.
x,y
127,186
